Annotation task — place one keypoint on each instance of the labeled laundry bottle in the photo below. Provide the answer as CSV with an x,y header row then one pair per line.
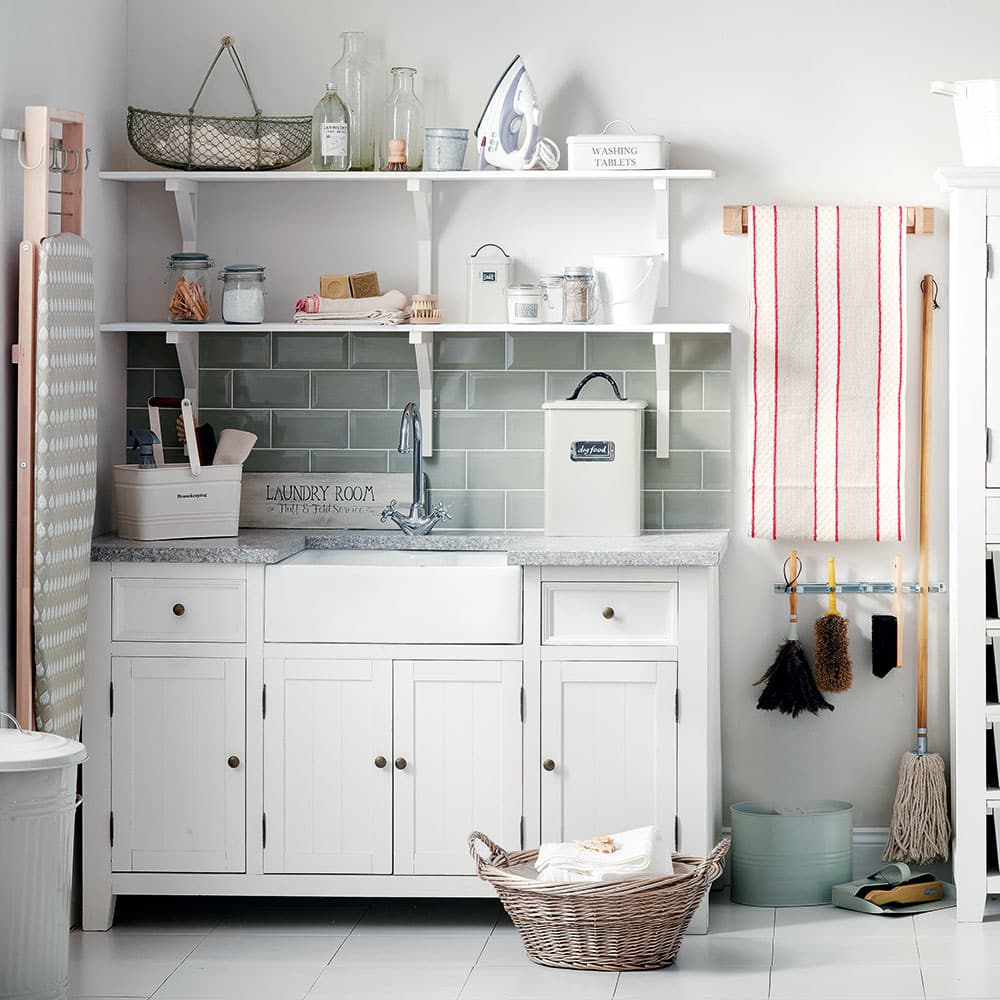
x,y
331,139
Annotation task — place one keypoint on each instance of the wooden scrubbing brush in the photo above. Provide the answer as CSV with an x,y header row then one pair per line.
x,y
833,661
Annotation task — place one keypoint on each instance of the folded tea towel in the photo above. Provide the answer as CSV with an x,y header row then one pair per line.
x,y
635,853
206,146
828,353
388,308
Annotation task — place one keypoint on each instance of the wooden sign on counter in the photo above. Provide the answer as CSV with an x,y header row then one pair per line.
x,y
320,500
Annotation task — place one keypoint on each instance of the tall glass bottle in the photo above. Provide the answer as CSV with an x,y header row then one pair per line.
x,y
403,118
351,74
331,141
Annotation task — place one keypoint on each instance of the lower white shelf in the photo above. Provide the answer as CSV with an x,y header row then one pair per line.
x,y
421,335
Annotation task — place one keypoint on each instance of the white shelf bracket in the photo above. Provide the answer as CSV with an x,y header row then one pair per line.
x,y
661,211
661,349
186,343
423,213
186,197
423,347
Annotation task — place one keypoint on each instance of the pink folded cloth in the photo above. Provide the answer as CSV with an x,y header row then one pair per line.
x,y
388,308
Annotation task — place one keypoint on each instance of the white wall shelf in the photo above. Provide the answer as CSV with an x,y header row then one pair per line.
x,y
421,336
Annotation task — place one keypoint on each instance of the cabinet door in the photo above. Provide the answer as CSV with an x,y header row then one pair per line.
x,y
328,767
609,731
457,750
993,356
178,785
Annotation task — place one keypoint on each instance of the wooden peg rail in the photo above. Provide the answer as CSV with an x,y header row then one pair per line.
x,y
919,220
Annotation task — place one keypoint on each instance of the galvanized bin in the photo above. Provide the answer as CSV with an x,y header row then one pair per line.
x,y
790,856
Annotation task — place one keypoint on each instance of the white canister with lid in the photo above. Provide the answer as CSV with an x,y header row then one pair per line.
x,y
629,150
593,464
524,303
489,274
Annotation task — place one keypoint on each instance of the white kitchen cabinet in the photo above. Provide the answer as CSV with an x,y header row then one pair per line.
x,y
609,748
327,766
178,774
457,760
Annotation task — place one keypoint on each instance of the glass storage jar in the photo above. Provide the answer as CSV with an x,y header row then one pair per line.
x,y
352,76
242,293
579,295
190,295
552,298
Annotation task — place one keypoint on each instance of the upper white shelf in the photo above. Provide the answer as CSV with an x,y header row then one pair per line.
x,y
165,325
378,176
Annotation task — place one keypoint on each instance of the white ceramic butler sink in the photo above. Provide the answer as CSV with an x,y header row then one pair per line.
x,y
393,596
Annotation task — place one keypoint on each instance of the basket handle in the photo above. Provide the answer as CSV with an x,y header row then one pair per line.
x,y
226,43
497,853
715,860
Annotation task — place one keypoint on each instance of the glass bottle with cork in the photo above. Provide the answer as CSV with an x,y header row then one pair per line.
x,y
331,140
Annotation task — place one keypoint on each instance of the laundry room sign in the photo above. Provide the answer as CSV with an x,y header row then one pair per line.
x,y
320,500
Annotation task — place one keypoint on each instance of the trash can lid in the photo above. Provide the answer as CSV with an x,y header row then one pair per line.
x,y
21,750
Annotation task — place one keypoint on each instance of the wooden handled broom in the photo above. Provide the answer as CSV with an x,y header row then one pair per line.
x,y
920,829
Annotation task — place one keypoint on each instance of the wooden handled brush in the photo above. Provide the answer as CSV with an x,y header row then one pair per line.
x,y
833,660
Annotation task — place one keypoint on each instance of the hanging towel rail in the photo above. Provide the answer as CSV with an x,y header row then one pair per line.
x,y
736,220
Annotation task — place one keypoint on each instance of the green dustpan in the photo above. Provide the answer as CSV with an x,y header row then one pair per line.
x,y
846,895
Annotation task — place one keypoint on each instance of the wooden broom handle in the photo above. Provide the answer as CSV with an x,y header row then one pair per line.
x,y
793,597
897,601
926,359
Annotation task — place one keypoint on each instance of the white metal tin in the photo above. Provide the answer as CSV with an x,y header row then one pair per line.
x,y
489,274
593,467
617,151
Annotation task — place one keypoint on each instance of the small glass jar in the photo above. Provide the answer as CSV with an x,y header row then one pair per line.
x,y
552,298
579,304
524,303
242,293
190,295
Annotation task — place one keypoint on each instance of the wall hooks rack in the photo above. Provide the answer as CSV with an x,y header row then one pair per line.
x,y
862,587
55,153
736,220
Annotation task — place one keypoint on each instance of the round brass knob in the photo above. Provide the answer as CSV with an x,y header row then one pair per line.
x,y
400,763
178,609
380,761
233,761
608,613
549,764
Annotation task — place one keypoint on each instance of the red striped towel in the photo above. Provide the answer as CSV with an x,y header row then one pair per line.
x,y
828,354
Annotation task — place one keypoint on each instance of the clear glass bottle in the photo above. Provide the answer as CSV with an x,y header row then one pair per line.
x,y
351,75
403,118
331,143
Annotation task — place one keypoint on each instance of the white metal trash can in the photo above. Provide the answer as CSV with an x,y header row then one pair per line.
x,y
38,804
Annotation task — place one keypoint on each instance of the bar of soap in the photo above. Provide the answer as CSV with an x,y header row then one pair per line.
x,y
364,285
334,286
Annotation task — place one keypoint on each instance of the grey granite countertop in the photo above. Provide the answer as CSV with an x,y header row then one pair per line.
x,y
258,546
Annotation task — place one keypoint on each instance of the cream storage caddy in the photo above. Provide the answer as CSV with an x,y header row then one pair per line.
x,y
593,464
181,500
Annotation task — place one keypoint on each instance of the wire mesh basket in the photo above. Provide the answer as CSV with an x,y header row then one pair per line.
x,y
214,142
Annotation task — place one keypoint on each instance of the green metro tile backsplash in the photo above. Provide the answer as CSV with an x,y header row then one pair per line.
x,y
327,402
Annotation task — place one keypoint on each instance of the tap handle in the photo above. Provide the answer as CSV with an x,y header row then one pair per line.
x,y
387,512
441,512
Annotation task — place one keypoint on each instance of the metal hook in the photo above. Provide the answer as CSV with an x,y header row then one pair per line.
x,y
935,298
86,159
32,166
58,162
798,573
76,167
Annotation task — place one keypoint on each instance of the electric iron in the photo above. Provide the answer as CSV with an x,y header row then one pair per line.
x,y
507,133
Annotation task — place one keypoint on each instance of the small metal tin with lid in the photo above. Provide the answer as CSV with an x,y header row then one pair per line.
x,y
242,293
524,303
617,150
190,295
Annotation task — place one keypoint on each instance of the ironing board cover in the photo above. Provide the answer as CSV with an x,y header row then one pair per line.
x,y
65,477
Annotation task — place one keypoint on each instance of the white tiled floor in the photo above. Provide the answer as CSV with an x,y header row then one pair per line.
x,y
467,950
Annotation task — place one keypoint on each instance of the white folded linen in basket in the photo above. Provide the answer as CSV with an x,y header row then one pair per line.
x,y
206,146
638,852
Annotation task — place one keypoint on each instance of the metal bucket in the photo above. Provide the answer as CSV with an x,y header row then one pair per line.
x,y
792,856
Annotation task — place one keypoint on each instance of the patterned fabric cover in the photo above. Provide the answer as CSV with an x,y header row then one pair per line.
x,y
65,477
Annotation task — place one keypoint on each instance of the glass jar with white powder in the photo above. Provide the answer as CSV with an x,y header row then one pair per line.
x,y
242,293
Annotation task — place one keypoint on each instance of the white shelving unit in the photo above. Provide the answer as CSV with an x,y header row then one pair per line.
x,y
420,184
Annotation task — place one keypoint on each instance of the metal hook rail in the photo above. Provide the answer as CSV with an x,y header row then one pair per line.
x,y
861,587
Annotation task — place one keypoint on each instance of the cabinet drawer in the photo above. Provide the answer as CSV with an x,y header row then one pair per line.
x,y
609,614
992,519
178,610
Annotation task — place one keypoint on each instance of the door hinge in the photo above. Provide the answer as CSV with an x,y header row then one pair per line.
x,y
989,260
111,828
521,829
111,699
677,705
522,706
263,829
263,702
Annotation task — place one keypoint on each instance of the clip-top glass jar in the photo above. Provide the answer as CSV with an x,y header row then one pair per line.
x,y
242,293
579,295
552,298
190,296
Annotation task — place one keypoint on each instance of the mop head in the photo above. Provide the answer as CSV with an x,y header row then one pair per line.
x,y
833,662
789,685
920,830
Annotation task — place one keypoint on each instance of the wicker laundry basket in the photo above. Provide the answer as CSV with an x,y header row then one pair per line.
x,y
628,926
